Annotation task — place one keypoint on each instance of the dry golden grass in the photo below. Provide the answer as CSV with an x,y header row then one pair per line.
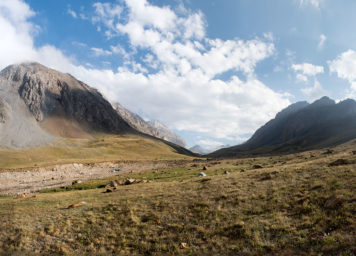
x,y
100,149
276,210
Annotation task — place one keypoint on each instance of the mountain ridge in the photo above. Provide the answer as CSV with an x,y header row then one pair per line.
x,y
153,128
302,126
48,92
51,105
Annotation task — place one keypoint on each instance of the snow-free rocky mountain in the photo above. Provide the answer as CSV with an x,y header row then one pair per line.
x,y
39,104
301,126
153,128
199,149
204,151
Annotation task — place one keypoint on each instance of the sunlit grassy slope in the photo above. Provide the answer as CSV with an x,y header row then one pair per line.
x,y
102,148
279,209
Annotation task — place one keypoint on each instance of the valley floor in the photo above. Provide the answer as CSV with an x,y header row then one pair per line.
x,y
32,180
295,204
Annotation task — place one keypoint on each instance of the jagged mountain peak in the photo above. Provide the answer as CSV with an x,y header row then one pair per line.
x,y
303,126
42,76
323,101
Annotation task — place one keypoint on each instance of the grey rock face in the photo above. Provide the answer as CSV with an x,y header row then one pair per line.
x,y
4,111
47,92
167,134
18,127
153,128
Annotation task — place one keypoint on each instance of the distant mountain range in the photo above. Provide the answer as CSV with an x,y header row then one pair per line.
x,y
153,128
39,104
301,126
204,151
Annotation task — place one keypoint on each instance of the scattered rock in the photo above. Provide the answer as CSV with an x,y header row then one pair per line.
x,y
134,181
354,152
76,205
333,202
338,162
257,166
204,168
23,195
109,190
242,170
115,170
76,182
113,184
328,152
183,245
129,181
202,174
226,172
194,165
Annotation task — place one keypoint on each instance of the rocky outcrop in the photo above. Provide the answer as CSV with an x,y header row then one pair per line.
x,y
166,134
18,127
49,93
4,111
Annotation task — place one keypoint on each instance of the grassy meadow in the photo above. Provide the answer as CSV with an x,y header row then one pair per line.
x,y
102,148
280,205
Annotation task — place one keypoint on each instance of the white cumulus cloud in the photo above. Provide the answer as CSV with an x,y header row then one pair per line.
x,y
306,70
177,80
344,66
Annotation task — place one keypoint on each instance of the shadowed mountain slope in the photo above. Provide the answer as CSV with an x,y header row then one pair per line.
x,y
301,126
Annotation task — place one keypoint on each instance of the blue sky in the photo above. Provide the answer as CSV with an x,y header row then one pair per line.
x,y
213,71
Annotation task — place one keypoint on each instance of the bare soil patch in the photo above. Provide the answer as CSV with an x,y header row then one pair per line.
x,y
31,180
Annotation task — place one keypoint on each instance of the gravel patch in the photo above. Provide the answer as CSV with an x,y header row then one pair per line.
x,y
28,181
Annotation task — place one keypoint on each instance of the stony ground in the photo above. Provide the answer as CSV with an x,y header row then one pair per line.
x,y
32,180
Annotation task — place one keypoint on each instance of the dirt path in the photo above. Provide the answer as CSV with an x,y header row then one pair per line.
x,y
26,181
